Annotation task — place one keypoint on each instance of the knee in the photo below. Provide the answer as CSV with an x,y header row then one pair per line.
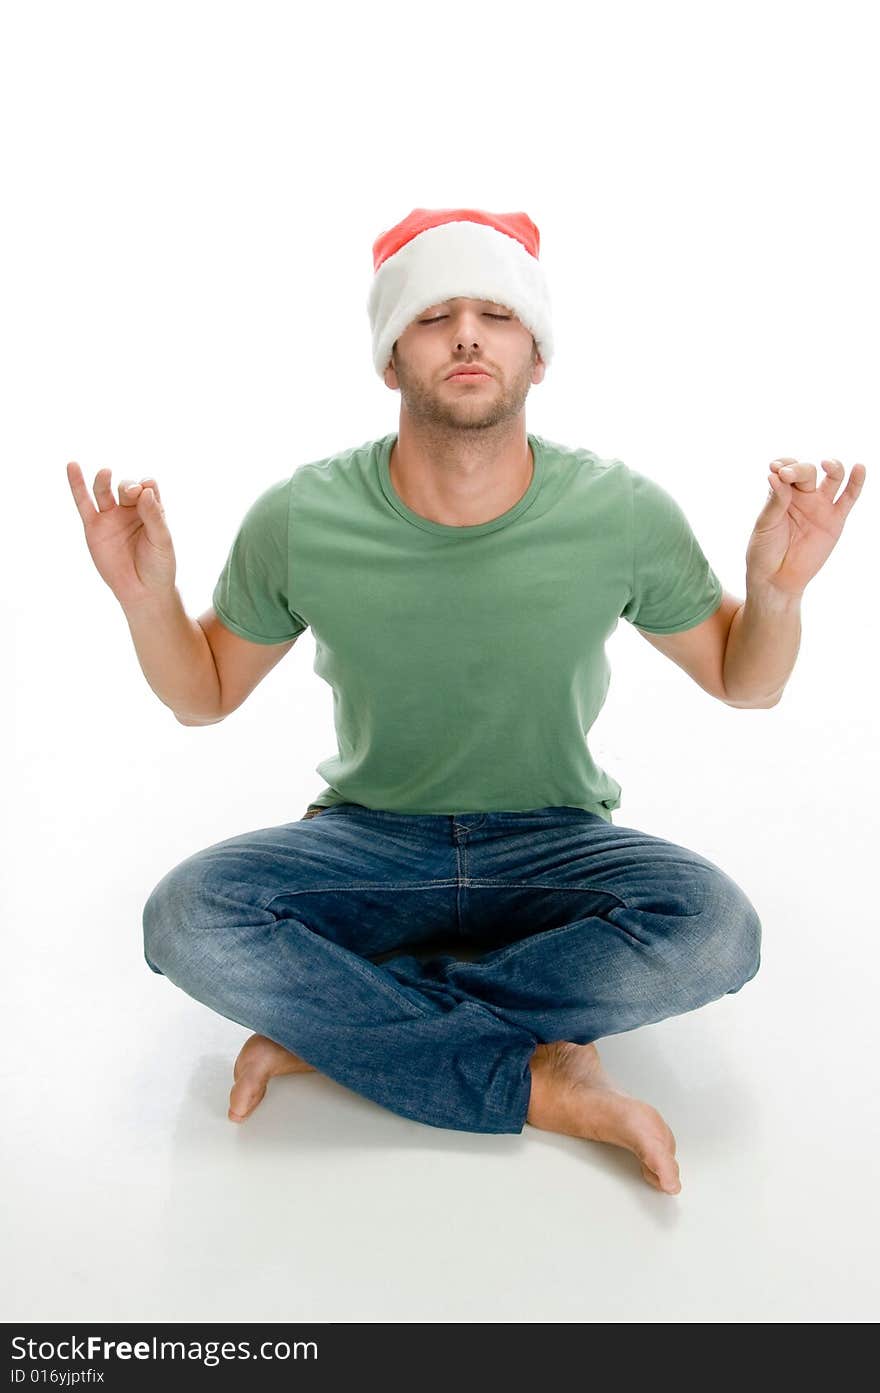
x,y
165,917
746,939
732,946
155,922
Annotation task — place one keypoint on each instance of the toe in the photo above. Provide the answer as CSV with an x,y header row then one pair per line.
x,y
651,1178
244,1097
663,1176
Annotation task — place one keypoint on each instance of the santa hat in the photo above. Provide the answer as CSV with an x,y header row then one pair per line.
x,y
436,254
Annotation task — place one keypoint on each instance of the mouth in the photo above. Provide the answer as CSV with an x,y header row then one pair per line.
x,y
469,377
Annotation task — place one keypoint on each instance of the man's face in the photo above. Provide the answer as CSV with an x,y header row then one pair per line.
x,y
463,333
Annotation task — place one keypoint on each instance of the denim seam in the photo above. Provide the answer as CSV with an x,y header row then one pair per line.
x,y
367,885
573,889
444,885
546,885
460,881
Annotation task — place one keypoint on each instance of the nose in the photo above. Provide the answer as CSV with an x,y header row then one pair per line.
x,y
467,333
467,337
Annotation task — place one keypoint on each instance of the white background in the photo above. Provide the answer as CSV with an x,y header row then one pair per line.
x,y
191,193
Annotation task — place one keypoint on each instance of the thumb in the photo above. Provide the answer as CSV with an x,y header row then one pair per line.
x,y
780,492
151,484
152,513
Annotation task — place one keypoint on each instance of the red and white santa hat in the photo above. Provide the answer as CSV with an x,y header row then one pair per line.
x,y
436,254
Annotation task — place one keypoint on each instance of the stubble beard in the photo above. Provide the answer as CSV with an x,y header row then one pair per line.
x,y
439,408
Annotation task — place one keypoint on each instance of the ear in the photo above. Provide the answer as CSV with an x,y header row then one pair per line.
x,y
390,376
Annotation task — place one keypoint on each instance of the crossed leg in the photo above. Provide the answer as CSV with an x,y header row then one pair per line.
x,y
571,1094
630,929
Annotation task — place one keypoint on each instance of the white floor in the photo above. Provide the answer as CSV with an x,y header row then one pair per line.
x,y
129,1196
134,1197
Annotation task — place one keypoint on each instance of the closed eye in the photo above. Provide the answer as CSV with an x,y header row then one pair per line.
x,y
438,317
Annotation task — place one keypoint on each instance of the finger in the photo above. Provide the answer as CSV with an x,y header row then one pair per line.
x,y
802,476
81,496
834,472
778,465
102,490
133,488
129,492
852,490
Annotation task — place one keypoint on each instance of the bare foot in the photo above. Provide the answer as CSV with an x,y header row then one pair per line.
x,y
258,1061
572,1094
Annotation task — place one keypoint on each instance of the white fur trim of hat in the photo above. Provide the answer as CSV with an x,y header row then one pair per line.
x,y
437,254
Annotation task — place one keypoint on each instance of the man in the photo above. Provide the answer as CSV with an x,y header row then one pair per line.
x,y
461,578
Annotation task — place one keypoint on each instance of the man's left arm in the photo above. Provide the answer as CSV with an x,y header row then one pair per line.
x,y
796,532
762,645
744,653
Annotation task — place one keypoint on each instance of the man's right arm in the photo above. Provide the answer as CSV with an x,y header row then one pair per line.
x,y
197,667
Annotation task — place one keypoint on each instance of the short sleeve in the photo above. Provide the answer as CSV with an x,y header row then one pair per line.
x,y
673,585
251,594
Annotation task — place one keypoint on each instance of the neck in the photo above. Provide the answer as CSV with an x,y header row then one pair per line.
x,y
459,477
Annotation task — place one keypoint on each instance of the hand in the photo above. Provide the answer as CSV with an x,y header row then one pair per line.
x,y
129,541
799,525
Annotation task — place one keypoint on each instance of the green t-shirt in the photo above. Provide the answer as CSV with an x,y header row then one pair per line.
x,y
467,663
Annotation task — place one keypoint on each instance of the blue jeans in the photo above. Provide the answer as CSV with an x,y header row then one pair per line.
x,y
576,928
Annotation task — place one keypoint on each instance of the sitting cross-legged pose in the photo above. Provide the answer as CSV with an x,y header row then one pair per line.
x,y
461,578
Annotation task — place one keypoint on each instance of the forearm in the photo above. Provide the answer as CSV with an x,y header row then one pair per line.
x,y
762,645
176,659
